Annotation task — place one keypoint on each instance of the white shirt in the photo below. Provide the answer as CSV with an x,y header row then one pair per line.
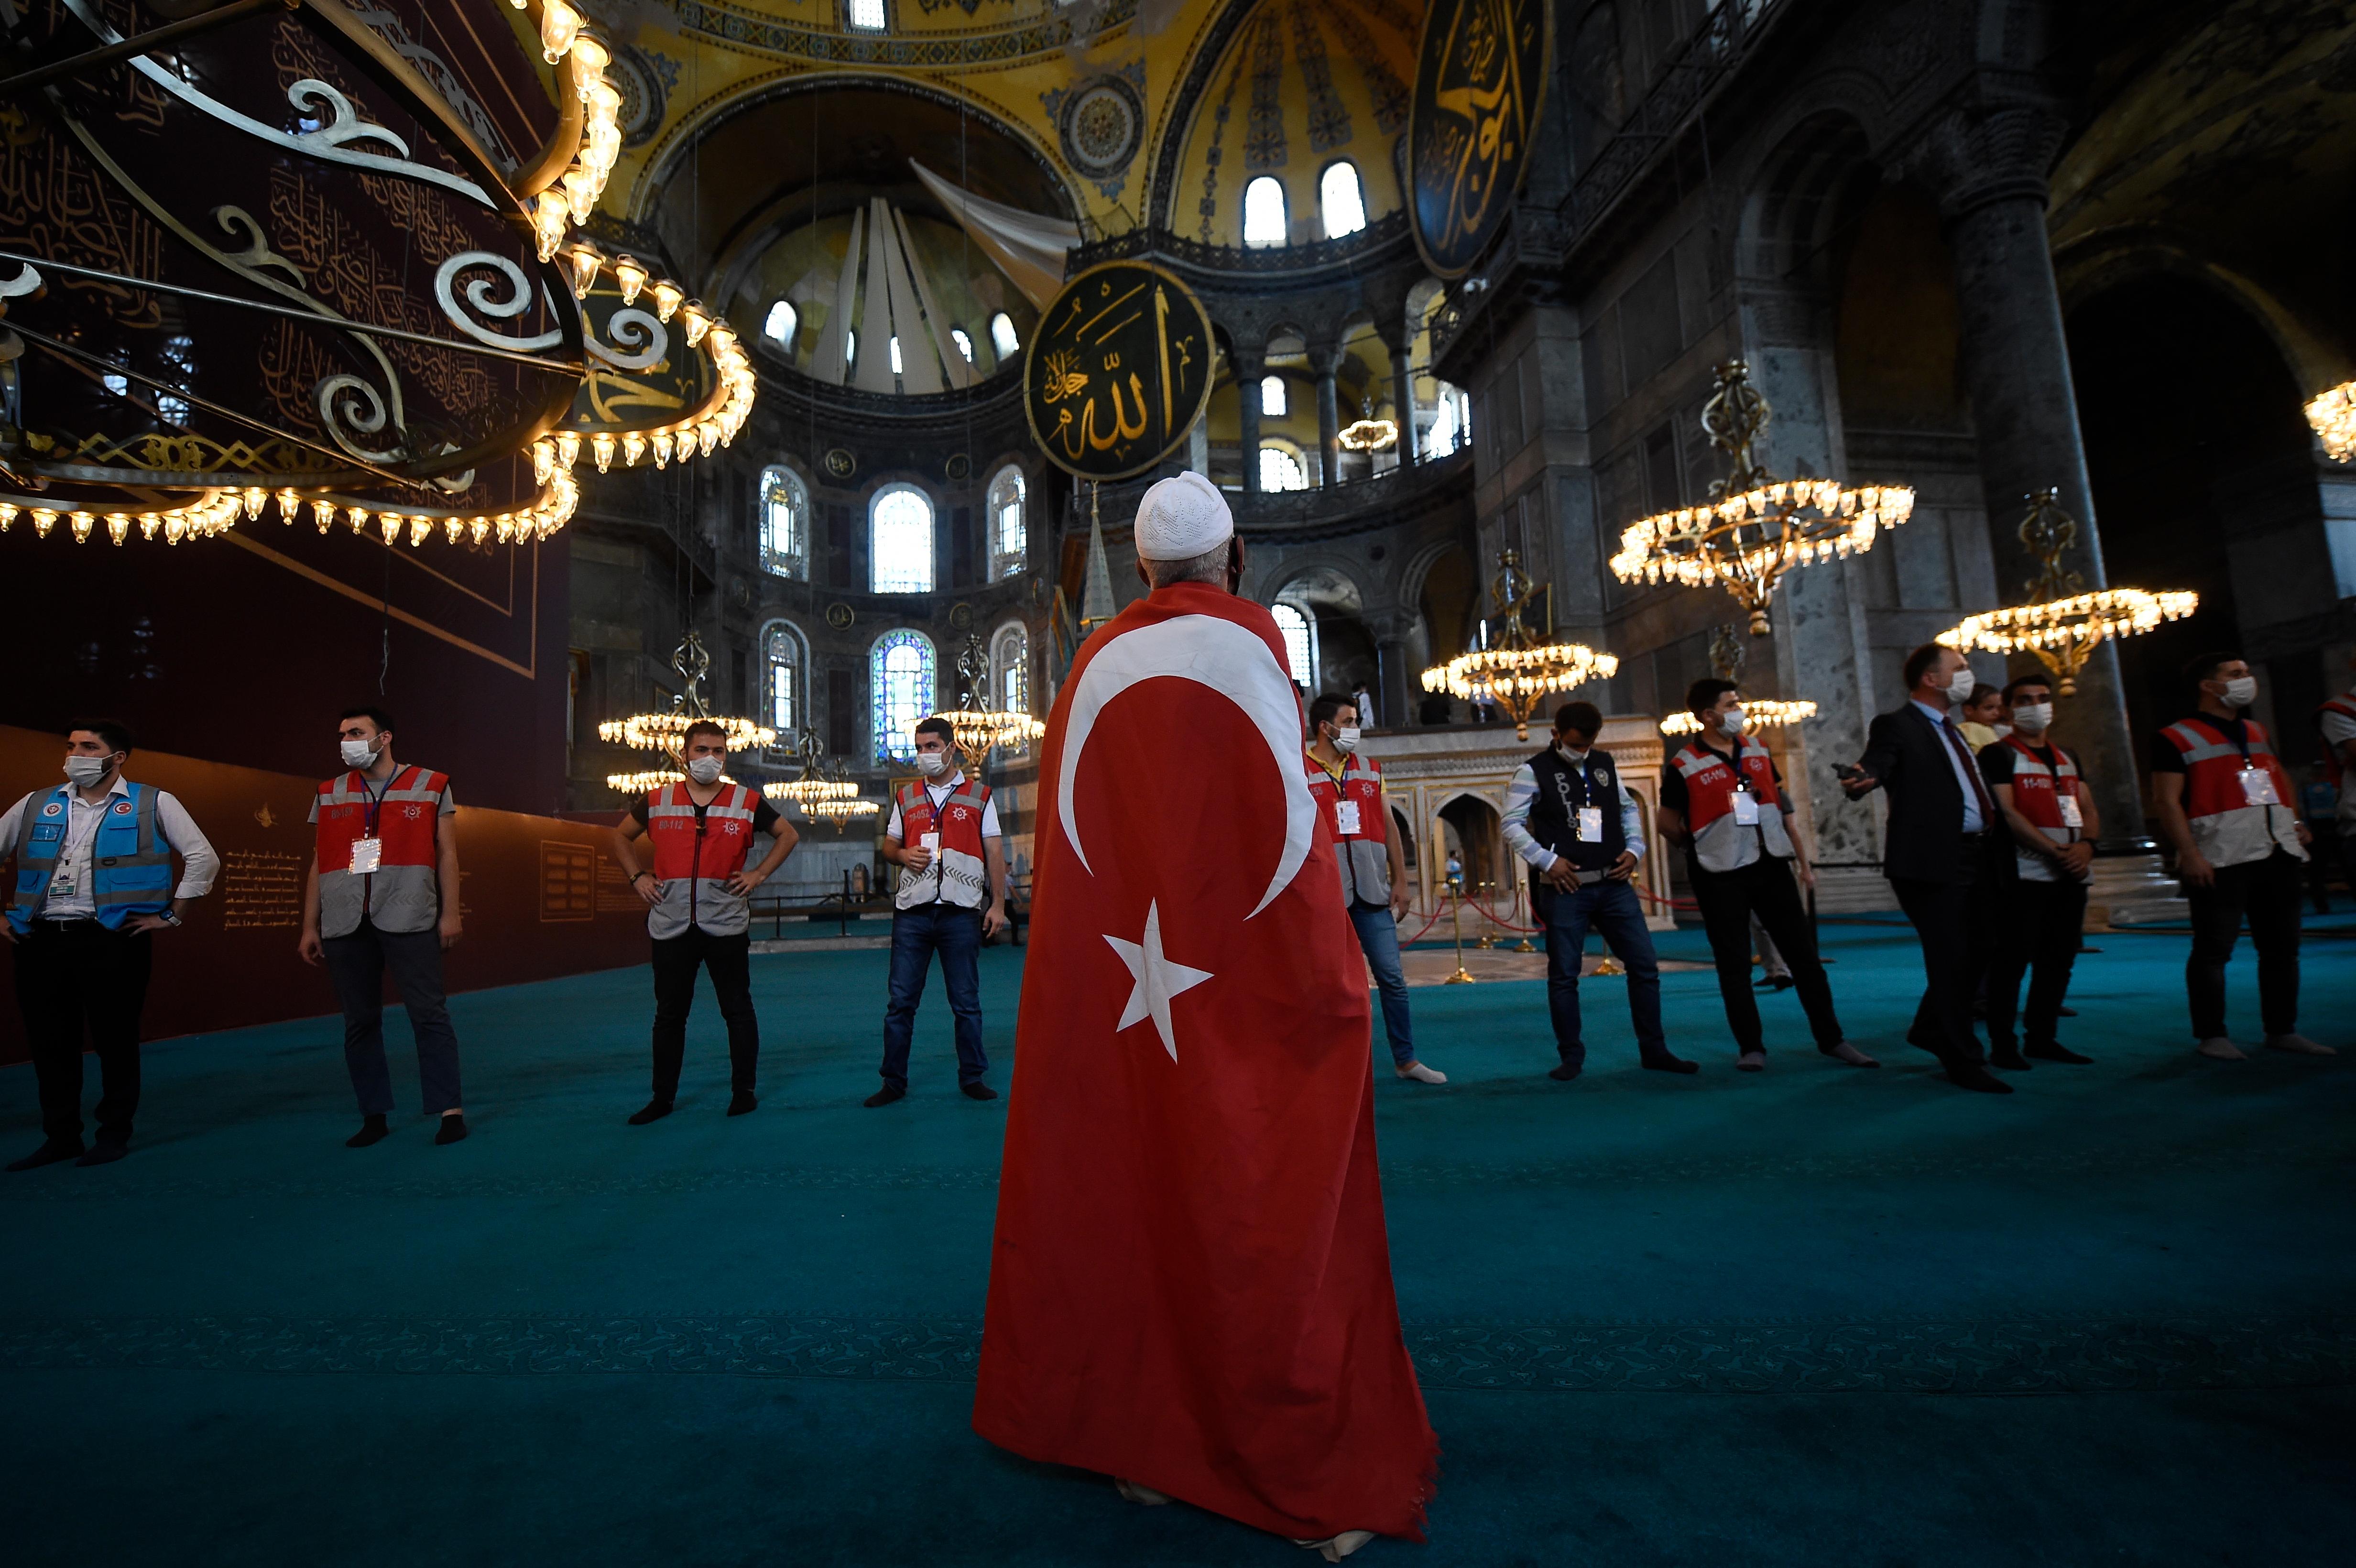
x,y
940,793
1524,790
1969,782
2338,731
198,865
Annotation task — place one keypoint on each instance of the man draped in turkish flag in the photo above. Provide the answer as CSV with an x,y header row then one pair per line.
x,y
1190,1287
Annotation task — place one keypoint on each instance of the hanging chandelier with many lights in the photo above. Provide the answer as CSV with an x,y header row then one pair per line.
x,y
666,732
2062,626
2333,416
1513,669
1757,713
1754,527
978,728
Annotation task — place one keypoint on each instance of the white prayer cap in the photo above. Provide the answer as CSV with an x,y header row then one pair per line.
x,y
1182,518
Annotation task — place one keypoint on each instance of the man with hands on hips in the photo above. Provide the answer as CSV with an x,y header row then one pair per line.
x,y
698,907
93,885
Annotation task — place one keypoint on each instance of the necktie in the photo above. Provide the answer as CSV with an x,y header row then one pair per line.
x,y
1971,772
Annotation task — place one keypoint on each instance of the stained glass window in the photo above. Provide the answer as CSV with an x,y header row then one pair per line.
x,y
900,542
1010,665
1009,537
900,675
781,683
785,524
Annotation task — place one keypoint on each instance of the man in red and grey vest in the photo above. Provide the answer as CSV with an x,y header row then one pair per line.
x,y
1348,788
944,836
2050,815
2336,723
698,907
1723,800
93,885
384,895
2224,801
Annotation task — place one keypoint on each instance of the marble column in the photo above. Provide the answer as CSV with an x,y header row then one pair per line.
x,y
1396,685
1403,395
1325,362
1986,164
1248,365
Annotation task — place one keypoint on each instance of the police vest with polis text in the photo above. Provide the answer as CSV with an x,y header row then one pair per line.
x,y
695,854
2049,797
1353,805
2236,795
1734,813
401,893
130,858
1565,791
956,874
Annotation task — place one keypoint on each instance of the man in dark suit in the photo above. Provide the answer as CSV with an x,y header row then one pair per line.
x,y
1944,851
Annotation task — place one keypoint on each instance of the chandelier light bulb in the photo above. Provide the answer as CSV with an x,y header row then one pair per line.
x,y
568,447
590,59
696,322
667,297
560,24
602,444
630,275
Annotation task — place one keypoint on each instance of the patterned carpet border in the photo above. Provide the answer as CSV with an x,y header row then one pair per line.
x,y
2025,1356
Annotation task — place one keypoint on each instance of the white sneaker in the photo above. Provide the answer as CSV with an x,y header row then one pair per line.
x,y
1750,1061
1421,1073
2222,1049
1137,1494
2300,1044
1334,1548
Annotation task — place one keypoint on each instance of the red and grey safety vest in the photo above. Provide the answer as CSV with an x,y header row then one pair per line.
x,y
694,857
1353,806
130,858
2345,705
957,873
2221,776
2037,793
402,893
1722,841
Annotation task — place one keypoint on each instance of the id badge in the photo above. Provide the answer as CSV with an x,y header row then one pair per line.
x,y
2258,787
1746,809
931,841
368,854
1345,812
1590,825
2072,817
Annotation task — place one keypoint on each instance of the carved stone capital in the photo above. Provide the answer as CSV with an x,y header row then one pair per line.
x,y
1982,150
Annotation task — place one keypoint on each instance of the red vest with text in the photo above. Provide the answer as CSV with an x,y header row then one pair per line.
x,y
1363,856
2226,828
400,894
2037,793
958,874
2345,705
1719,842
693,861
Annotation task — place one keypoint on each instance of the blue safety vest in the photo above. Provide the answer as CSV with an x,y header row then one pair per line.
x,y
130,859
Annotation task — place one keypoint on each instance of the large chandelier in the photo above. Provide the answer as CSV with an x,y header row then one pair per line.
x,y
1757,713
826,793
1754,527
2333,415
1514,669
2063,627
976,728
667,732
814,782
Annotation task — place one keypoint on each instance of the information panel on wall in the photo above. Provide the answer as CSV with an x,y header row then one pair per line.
x,y
1480,83
1118,371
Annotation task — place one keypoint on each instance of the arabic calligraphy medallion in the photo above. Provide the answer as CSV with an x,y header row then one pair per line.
x,y
1480,83
1118,370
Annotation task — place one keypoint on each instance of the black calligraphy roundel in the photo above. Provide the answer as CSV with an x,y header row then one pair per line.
x,y
1118,370
1480,81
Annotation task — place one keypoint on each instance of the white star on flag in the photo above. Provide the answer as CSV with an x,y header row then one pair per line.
x,y
1157,979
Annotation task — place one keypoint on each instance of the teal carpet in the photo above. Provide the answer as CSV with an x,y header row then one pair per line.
x,y
1819,1316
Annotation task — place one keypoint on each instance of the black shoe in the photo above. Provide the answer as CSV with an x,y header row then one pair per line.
x,y
885,1096
1972,1075
1665,1062
2054,1051
453,1130
48,1153
106,1151
741,1101
1564,1073
2070,1013
978,1089
654,1111
2009,1058
1772,982
373,1130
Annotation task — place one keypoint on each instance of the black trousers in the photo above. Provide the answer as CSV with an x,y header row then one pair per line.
x,y
730,961
2038,934
1955,923
2265,894
357,964
74,976
1767,889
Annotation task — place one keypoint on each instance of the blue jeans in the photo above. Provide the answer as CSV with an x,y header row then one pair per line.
x,y
1612,910
1378,940
917,935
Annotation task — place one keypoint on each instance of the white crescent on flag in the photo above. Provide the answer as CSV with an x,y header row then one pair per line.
x,y
1230,661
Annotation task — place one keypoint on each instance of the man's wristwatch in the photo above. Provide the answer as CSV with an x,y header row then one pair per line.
x,y
634,880
170,917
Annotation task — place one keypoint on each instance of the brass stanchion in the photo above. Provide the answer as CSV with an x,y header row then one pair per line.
x,y
1462,975
1520,915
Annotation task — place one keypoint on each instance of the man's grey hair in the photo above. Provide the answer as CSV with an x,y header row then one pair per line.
x,y
1211,566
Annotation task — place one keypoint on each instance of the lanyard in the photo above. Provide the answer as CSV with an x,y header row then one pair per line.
x,y
376,797
1734,764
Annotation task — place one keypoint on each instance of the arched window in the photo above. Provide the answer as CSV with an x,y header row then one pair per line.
x,y
1451,422
1003,337
900,674
898,369
1280,469
1264,219
781,324
900,541
964,344
1300,642
863,16
782,663
850,346
1010,668
1341,198
1271,396
1009,537
785,524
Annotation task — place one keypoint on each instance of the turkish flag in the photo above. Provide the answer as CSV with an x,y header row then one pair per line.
x,y
1189,1285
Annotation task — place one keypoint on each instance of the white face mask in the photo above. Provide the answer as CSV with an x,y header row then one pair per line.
x,y
1346,738
1960,688
1569,754
932,764
704,769
2241,690
2031,718
357,754
84,771
1733,720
